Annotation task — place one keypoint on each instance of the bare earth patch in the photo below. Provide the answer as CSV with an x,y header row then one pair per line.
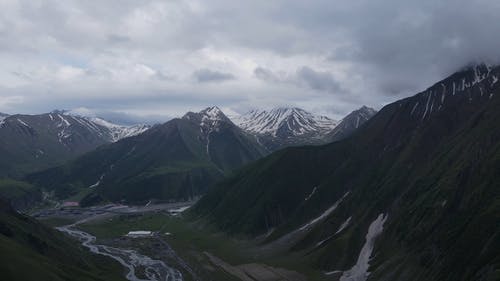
x,y
256,271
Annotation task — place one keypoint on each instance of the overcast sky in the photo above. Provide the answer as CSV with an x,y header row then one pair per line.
x,y
153,60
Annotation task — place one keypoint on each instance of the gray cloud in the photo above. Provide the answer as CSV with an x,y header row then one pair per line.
x,y
265,74
303,77
142,56
206,75
118,39
318,80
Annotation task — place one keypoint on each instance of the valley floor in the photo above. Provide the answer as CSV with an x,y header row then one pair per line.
x,y
191,248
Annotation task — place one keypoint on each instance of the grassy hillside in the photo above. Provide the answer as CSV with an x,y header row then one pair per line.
x,y
429,162
20,195
32,251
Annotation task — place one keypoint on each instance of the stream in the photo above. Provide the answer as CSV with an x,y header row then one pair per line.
x,y
154,270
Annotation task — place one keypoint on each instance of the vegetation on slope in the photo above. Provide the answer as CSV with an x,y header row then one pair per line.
x,y
178,160
433,169
20,195
32,251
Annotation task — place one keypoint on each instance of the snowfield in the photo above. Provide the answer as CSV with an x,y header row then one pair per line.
x,y
359,272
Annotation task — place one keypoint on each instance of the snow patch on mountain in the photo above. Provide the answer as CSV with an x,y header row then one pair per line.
x,y
210,120
212,113
64,122
2,117
343,226
98,181
325,214
311,194
359,272
119,132
473,81
351,122
211,117
23,123
98,125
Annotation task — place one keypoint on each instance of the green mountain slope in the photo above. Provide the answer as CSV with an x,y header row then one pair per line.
x,y
177,160
32,251
422,174
20,195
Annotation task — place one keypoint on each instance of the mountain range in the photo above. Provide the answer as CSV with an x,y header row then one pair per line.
x,y
35,142
284,121
282,127
176,160
411,195
181,158
407,193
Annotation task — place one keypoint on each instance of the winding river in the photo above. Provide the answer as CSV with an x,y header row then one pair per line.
x,y
153,270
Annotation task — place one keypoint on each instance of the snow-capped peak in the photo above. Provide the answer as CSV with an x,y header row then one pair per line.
x,y
213,113
212,117
284,121
362,115
209,117
119,132
116,132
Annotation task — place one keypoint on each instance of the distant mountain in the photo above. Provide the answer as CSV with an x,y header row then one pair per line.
x,y
33,251
118,132
3,116
34,142
411,195
177,160
350,123
284,122
282,127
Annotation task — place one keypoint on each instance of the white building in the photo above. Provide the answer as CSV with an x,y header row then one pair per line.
x,y
139,233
